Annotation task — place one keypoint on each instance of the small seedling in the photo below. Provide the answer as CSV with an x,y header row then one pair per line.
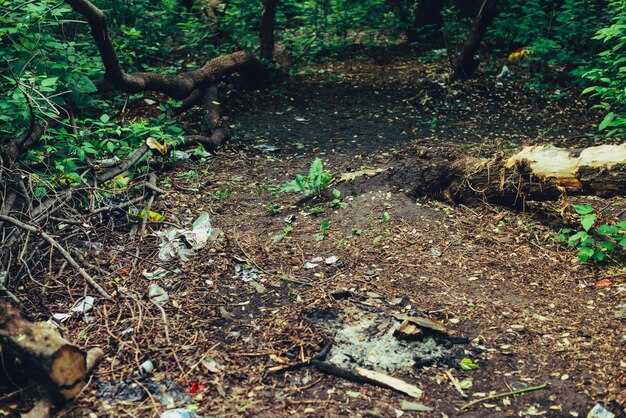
x,y
274,209
318,210
357,231
278,238
386,217
324,227
336,202
221,194
376,240
317,180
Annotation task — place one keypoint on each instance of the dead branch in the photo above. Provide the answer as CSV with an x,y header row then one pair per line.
x,y
61,250
177,86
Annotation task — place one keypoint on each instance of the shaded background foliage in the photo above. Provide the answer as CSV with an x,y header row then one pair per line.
x,y
49,59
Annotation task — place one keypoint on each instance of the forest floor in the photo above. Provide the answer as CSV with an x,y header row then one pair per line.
x,y
247,306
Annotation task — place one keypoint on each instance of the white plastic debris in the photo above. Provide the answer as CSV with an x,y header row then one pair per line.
x,y
309,266
181,243
83,305
157,294
598,411
179,413
331,260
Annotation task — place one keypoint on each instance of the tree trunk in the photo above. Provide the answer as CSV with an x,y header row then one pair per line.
x,y
535,173
427,21
268,18
36,351
467,63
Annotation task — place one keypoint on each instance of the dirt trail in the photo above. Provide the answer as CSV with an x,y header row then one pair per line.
x,y
531,313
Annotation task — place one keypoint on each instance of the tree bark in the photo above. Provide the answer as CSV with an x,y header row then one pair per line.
x,y
467,63
534,173
268,19
177,86
427,21
36,351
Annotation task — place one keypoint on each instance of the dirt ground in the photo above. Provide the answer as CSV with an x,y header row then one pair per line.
x,y
245,308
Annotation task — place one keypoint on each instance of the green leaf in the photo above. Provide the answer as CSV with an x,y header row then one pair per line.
x,y
376,240
468,364
607,246
316,169
584,253
104,118
47,82
607,120
598,255
583,209
607,230
581,235
336,193
587,221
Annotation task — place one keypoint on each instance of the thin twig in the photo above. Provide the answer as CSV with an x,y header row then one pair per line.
x,y
61,250
500,395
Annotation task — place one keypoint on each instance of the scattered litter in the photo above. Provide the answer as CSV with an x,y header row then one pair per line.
x,y
599,411
505,73
180,155
290,218
266,148
331,260
415,406
181,243
541,317
435,252
93,247
246,272
197,387
147,367
258,287
166,391
300,119
81,307
317,260
309,266
180,413
211,365
158,273
157,294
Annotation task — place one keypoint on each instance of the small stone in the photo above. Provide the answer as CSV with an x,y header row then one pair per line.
x,y
565,377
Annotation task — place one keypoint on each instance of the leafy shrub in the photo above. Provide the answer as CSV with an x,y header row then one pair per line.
x,y
317,180
594,244
609,78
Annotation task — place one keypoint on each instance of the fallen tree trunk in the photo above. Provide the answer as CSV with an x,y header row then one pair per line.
x,y
534,173
37,352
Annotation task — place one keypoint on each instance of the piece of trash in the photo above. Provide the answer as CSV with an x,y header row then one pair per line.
x,y
598,411
83,305
290,218
365,172
309,266
505,73
147,367
61,317
246,272
92,247
196,386
353,394
157,274
266,148
300,119
181,243
180,155
257,286
157,294
415,406
317,260
331,260
211,365
435,252
180,413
